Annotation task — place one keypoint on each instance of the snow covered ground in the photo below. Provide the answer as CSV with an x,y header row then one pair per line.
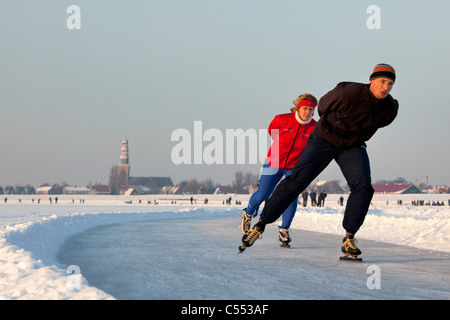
x,y
32,234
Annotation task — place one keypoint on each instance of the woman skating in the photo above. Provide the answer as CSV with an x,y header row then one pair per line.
x,y
290,133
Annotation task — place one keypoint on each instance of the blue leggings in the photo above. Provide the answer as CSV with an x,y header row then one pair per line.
x,y
270,177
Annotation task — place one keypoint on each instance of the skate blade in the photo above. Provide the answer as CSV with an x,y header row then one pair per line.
x,y
349,257
285,245
241,249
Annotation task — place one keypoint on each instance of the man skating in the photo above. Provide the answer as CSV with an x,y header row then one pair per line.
x,y
350,114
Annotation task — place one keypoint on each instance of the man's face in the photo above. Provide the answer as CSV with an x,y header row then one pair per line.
x,y
381,87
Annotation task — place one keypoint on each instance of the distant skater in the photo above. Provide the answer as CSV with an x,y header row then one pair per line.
x,y
350,114
313,195
321,198
305,198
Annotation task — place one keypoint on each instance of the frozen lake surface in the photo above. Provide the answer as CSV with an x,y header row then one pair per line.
x,y
189,251
197,258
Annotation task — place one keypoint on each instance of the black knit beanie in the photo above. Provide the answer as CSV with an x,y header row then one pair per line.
x,y
383,70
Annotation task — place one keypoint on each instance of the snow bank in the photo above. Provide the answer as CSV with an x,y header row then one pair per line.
x,y
31,234
425,227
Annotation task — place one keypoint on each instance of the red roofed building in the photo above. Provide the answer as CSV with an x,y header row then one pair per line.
x,y
399,188
444,189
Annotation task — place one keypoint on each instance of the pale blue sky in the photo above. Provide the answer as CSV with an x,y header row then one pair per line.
x,y
143,69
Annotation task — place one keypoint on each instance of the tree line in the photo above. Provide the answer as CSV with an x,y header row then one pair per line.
x,y
244,182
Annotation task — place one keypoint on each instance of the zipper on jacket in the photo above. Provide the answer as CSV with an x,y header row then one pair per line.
x,y
292,146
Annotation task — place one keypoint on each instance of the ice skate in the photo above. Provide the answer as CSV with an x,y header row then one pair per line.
x,y
350,250
252,235
245,222
284,237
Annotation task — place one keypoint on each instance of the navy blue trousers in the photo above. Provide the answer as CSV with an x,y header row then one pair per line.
x,y
355,166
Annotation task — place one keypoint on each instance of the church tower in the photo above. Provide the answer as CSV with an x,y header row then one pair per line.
x,y
124,166
124,154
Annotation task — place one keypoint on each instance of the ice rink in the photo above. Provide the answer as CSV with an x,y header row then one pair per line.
x,y
178,250
197,259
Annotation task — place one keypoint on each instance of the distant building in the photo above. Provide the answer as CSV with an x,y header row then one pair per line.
x,y
48,190
222,190
172,189
444,189
397,188
121,181
9,190
100,190
330,186
124,164
131,192
76,190
154,184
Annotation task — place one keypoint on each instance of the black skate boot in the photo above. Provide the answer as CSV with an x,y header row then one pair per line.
x,y
284,237
245,222
252,235
350,250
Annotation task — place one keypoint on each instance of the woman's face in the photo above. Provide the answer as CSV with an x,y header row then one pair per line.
x,y
305,112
